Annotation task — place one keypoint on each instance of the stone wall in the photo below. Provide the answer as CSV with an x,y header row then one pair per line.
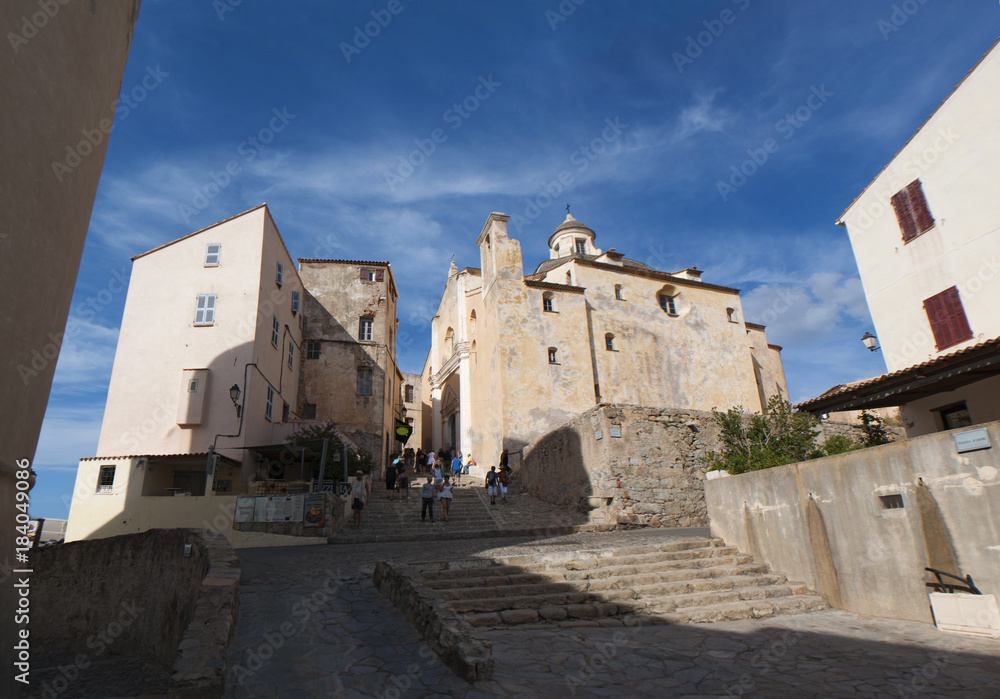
x,y
139,596
861,527
832,428
625,465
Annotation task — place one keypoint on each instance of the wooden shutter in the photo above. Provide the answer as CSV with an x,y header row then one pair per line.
x,y
901,204
947,319
918,205
364,274
379,275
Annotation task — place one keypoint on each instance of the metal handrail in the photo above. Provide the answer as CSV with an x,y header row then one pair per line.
x,y
941,586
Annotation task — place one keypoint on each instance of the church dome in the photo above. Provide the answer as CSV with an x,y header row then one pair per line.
x,y
568,226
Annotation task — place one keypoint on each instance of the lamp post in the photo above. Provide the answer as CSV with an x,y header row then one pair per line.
x,y
234,394
870,341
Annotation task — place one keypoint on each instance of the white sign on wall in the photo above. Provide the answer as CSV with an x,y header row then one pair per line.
x,y
973,440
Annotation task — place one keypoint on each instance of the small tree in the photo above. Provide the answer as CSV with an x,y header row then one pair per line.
x,y
839,444
874,429
357,459
750,443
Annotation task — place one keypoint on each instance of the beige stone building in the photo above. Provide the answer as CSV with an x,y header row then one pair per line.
x,y
515,355
223,350
350,374
926,237
413,413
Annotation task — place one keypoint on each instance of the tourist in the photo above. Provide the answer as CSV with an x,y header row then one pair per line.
x,y
503,460
418,461
504,479
403,482
430,462
446,497
456,468
437,473
468,464
391,472
427,499
491,484
360,489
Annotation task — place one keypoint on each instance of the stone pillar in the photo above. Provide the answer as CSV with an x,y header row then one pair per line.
x,y
465,400
435,417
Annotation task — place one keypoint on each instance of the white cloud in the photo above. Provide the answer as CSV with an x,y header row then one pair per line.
x,y
86,357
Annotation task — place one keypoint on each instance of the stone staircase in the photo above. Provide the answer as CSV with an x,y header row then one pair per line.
x,y
385,520
664,583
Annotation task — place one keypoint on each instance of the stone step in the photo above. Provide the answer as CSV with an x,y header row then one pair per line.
x,y
671,602
517,576
623,591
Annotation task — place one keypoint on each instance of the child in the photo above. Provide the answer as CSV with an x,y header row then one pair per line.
x,y
446,497
504,479
427,499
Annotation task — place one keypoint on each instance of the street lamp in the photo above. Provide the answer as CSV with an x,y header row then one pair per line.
x,y
234,394
870,341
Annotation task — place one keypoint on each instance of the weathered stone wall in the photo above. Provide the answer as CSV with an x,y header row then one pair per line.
x,y
832,428
137,595
652,475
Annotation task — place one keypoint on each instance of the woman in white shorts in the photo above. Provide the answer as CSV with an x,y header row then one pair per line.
x,y
446,497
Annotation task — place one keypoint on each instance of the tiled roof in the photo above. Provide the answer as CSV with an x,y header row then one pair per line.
x,y
201,454
369,263
917,371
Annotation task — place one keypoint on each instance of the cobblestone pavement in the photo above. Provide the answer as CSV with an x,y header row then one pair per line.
x,y
312,624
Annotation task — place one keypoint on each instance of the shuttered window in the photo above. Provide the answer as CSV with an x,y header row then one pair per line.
x,y
369,274
204,312
947,318
912,212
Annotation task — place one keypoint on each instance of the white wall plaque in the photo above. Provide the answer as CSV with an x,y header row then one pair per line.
x,y
615,431
598,435
973,440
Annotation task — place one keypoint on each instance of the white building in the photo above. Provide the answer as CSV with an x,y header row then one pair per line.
x,y
210,311
926,235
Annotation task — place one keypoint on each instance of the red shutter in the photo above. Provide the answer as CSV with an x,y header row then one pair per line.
x,y
901,203
959,324
379,275
364,274
918,204
947,319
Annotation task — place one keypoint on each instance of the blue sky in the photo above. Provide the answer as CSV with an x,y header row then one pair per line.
x,y
511,96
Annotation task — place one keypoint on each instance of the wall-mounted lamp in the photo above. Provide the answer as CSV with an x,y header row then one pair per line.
x,y
870,341
234,394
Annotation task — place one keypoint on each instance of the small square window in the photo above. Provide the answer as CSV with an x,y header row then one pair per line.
x,y
193,386
955,416
278,275
552,355
308,411
364,381
619,293
269,405
295,302
609,342
291,353
204,313
365,329
547,305
891,502
212,251
105,479
312,350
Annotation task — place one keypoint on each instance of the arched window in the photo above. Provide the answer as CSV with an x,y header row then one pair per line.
x,y
472,323
548,302
569,278
553,356
472,351
609,342
449,342
619,292
668,297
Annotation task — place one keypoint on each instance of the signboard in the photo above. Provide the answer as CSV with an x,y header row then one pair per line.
x,y
244,510
402,431
973,440
343,489
598,435
615,432
314,514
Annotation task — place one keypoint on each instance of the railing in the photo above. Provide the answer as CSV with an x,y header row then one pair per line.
x,y
942,586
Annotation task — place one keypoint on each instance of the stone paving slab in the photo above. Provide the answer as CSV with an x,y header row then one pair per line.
x,y
327,632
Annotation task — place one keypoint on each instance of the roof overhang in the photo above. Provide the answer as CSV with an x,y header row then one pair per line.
x,y
940,375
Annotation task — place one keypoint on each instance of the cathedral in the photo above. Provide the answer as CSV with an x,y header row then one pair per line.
x,y
514,355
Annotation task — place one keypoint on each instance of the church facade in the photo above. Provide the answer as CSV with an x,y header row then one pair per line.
x,y
514,355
